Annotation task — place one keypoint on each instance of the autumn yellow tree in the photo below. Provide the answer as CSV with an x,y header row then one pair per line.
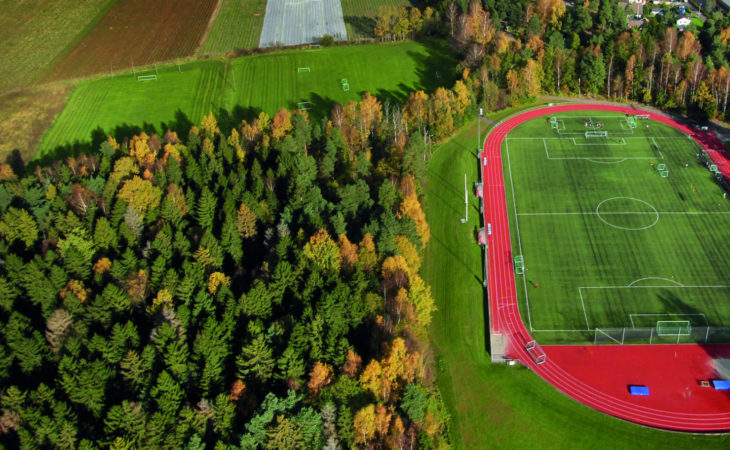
x,y
367,255
323,251
319,377
395,270
140,194
246,221
365,425
281,124
353,362
409,252
216,279
348,252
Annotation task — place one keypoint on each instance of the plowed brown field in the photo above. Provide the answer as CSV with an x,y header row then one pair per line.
x,y
137,32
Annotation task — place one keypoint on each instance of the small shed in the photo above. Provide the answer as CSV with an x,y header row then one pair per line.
x,y
635,389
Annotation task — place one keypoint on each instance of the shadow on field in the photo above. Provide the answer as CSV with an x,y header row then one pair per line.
x,y
362,25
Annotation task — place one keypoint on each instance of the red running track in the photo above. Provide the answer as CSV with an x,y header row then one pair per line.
x,y
598,376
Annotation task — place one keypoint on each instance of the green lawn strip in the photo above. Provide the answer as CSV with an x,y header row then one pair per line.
x,y
497,406
361,15
241,88
34,34
237,26
622,241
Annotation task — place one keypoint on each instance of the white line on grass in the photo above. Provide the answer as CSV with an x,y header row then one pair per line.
x,y
593,213
588,326
654,278
631,317
517,227
622,142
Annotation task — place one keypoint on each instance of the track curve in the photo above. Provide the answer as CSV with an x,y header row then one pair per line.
x,y
505,316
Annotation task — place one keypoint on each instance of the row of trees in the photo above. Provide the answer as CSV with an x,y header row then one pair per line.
x,y
519,49
256,287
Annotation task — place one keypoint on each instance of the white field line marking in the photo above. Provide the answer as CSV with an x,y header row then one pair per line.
x,y
709,286
585,315
623,137
593,213
655,278
517,227
572,330
707,324
622,142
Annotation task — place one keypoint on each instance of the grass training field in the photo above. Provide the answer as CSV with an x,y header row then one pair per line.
x,y
618,233
245,86
494,405
35,33
361,15
137,32
236,25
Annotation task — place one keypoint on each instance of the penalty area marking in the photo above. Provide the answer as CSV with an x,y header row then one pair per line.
x,y
621,142
654,278
631,317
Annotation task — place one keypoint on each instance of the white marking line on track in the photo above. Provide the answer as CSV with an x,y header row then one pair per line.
x,y
517,227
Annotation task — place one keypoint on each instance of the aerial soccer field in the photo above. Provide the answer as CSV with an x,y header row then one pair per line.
x,y
623,230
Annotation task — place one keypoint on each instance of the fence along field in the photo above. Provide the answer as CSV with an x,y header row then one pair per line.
x,y
34,33
244,87
608,241
237,25
137,32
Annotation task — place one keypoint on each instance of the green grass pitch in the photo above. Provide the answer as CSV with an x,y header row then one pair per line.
x,y
607,241
242,87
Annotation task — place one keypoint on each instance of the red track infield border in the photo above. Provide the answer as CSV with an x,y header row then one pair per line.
x,y
598,376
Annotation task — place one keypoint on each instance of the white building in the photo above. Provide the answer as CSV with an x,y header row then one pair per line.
x,y
683,22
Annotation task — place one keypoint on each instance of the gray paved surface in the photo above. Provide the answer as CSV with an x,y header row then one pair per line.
x,y
292,22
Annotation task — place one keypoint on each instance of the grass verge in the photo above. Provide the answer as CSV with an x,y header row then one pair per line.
x,y
497,406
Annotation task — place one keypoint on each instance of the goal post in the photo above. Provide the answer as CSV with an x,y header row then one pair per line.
x,y
631,121
596,134
554,123
147,77
642,116
303,69
673,328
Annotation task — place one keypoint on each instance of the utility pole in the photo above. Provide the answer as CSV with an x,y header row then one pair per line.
x,y
466,203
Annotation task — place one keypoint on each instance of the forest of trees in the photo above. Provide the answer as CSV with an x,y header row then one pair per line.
x,y
519,49
252,288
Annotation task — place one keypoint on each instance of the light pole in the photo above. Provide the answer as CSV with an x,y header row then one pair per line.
x,y
479,130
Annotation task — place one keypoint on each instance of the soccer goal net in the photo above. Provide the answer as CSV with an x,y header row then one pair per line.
x,y
596,134
643,116
303,69
673,328
146,77
631,121
519,265
554,122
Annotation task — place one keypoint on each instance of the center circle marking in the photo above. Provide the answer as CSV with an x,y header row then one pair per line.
x,y
620,227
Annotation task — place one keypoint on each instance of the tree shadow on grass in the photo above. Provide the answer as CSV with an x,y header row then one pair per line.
x,y
362,25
